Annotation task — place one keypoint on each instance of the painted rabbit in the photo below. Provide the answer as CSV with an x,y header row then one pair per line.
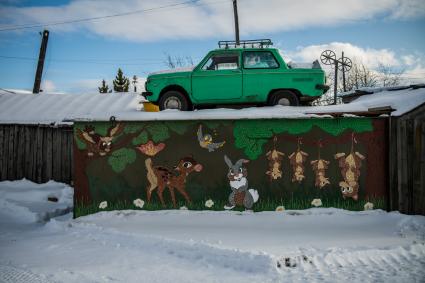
x,y
240,194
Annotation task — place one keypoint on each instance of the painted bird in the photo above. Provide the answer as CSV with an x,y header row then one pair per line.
x,y
205,141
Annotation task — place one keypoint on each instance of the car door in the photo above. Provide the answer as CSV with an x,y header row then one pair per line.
x,y
261,74
219,79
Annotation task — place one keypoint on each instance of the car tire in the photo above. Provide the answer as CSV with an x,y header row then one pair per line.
x,y
173,100
285,98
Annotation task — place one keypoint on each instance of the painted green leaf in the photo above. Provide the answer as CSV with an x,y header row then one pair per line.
x,y
158,131
179,127
131,128
141,139
120,158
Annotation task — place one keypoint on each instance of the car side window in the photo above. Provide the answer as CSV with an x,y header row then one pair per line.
x,y
259,60
222,62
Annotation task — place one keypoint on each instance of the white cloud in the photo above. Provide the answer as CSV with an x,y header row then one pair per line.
x,y
409,9
207,18
369,56
415,74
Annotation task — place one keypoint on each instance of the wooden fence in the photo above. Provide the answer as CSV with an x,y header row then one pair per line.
x,y
407,162
36,152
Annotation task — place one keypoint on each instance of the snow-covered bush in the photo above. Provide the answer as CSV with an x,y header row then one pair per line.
x,y
316,202
138,203
183,208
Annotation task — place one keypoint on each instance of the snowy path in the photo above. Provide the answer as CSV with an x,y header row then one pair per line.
x,y
316,245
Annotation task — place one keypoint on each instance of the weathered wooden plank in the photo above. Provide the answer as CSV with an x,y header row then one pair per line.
x,y
421,198
393,193
401,160
54,154
72,156
6,151
39,154
33,133
410,166
70,134
28,152
65,156
11,159
58,157
44,154
49,148
20,163
1,151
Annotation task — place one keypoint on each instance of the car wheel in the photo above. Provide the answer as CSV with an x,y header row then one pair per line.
x,y
285,98
173,100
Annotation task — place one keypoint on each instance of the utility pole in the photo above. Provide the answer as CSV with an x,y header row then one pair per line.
x,y
235,12
343,72
40,65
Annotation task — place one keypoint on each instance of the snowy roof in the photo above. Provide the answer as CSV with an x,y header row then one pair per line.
x,y
64,108
48,108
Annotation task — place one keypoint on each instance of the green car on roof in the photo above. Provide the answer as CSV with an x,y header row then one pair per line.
x,y
255,75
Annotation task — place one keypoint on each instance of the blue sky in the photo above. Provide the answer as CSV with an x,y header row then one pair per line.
x,y
79,56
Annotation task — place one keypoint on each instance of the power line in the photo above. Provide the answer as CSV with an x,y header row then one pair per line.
x,y
87,61
29,26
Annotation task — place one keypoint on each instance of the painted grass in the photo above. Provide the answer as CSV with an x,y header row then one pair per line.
x,y
261,205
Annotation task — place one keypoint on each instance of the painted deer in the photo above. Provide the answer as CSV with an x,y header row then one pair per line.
x,y
319,167
350,170
297,159
160,177
275,158
98,144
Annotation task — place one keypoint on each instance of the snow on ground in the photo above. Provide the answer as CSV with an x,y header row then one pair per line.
x,y
314,245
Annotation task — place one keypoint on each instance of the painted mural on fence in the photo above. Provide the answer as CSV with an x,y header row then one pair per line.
x,y
235,165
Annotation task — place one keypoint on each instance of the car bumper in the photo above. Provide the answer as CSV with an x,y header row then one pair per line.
x,y
147,93
323,87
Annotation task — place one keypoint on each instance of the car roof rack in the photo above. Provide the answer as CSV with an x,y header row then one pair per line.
x,y
253,43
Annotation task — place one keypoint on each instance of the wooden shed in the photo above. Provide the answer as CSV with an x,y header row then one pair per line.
x,y
36,131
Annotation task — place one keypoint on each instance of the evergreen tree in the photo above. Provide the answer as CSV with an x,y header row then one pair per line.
x,y
104,88
121,82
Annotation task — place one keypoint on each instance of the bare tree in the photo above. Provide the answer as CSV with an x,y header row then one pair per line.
x,y
389,76
177,61
360,76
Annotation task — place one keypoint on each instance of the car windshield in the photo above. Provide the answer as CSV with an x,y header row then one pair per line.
x,y
222,62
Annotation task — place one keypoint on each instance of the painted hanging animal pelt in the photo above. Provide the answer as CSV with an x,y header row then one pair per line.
x,y
319,167
274,158
350,170
297,159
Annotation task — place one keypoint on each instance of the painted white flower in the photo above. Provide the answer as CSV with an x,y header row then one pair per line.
x,y
138,203
316,202
209,203
103,205
183,208
280,208
368,206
